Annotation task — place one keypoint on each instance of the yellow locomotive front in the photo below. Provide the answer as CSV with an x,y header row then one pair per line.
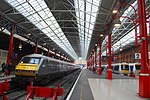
x,y
27,69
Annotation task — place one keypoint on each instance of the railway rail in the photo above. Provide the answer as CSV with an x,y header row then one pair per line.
x,y
66,82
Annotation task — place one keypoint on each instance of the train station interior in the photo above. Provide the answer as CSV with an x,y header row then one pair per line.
x,y
75,49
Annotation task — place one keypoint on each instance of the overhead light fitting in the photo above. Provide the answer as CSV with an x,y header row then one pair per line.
x,y
115,11
117,23
120,49
20,45
95,44
29,34
101,35
44,44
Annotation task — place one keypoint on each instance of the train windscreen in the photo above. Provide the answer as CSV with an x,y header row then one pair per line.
x,y
138,67
125,67
30,60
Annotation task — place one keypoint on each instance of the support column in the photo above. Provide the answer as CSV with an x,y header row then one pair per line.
x,y
95,58
100,60
36,48
11,44
109,58
91,62
144,78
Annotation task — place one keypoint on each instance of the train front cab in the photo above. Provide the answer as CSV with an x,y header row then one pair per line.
x,y
135,68
27,69
121,68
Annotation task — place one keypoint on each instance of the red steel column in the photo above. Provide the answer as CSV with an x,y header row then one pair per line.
x,y
36,48
109,58
10,50
95,58
144,78
100,60
91,62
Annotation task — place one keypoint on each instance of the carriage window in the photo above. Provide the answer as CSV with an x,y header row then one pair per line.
x,y
45,63
116,67
31,60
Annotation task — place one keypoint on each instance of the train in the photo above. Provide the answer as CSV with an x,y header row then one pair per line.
x,y
124,68
42,69
135,68
121,68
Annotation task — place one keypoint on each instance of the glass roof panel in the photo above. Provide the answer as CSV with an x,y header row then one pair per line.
x,y
85,33
130,35
38,12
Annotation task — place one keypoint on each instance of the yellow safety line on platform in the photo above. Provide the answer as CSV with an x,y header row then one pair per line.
x,y
81,92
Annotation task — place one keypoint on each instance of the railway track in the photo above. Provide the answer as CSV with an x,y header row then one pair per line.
x,y
66,82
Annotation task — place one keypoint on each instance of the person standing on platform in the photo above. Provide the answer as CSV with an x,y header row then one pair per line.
x,y
93,69
3,67
8,69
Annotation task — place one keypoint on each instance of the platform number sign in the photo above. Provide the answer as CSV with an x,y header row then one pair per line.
x,y
137,55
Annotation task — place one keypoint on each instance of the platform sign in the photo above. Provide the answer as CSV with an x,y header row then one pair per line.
x,y
137,56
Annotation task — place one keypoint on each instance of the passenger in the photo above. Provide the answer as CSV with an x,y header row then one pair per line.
x,y
3,67
93,69
8,69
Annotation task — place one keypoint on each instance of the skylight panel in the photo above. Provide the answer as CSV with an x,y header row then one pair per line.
x,y
130,37
36,11
91,6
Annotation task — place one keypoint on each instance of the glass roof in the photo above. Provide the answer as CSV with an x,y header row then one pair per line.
x,y
40,15
130,34
86,15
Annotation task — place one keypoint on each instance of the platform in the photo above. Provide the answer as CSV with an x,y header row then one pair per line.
x,y
95,87
3,77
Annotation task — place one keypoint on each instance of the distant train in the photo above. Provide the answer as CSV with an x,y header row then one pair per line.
x,y
135,68
119,68
124,68
39,68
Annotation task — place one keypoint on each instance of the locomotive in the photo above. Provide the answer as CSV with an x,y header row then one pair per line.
x,y
39,68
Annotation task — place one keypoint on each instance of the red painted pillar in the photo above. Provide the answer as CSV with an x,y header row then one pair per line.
x,y
109,58
10,50
144,78
95,58
91,62
36,48
100,60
